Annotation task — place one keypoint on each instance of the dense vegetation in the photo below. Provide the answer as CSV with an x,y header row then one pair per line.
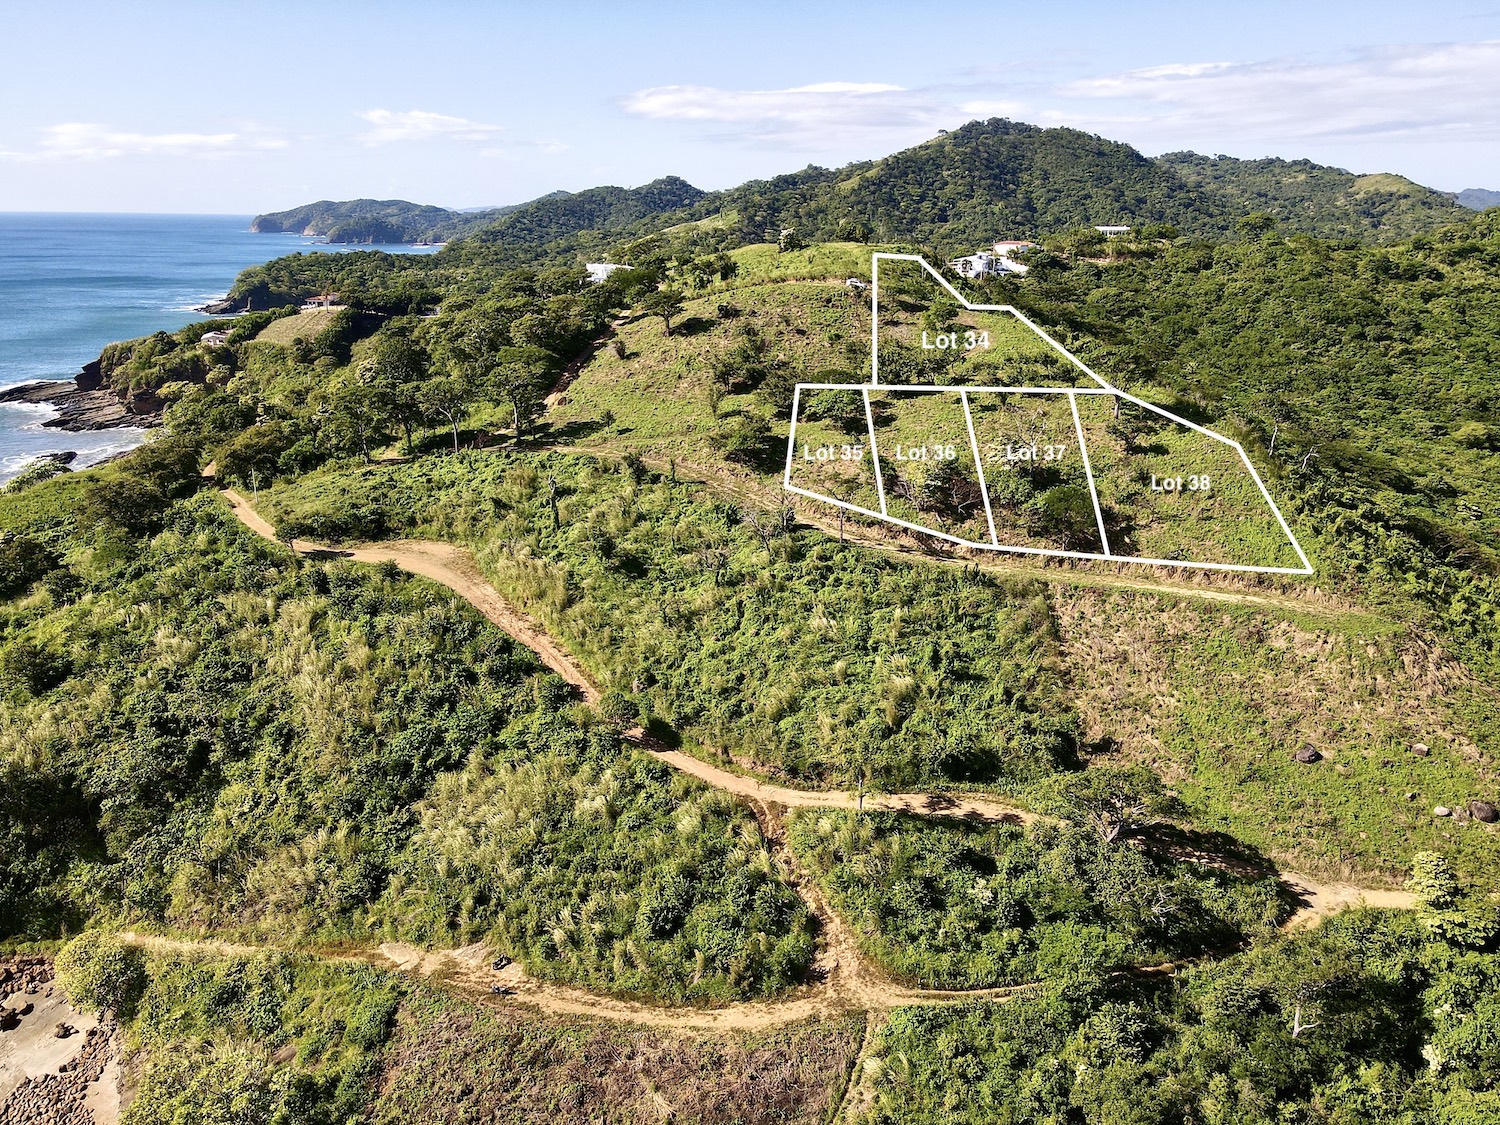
x,y
205,1027
1371,371
618,874
1316,199
950,905
199,732
174,701
1369,1019
828,662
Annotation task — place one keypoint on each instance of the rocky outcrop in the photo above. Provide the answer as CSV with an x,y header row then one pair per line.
x,y
83,404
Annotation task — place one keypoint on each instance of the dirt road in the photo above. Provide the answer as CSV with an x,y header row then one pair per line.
x,y
955,806
448,566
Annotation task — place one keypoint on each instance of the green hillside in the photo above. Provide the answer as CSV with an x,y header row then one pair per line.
x,y
987,180
1316,199
537,222
600,210
374,221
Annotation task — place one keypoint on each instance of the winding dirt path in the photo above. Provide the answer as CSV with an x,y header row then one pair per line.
x,y
849,980
953,806
448,566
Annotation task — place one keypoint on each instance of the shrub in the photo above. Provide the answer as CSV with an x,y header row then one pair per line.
x,y
97,971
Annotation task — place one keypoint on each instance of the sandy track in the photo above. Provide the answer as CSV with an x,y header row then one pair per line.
x,y
1319,900
468,970
849,980
956,806
448,566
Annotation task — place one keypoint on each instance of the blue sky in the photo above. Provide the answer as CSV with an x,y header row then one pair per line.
x,y
244,108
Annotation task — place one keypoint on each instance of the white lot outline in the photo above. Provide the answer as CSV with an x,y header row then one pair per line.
x,y
1104,388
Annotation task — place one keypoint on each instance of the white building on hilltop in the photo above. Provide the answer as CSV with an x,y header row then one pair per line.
x,y
598,271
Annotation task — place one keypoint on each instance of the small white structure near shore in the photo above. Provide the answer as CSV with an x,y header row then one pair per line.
x,y
1112,232
598,271
215,339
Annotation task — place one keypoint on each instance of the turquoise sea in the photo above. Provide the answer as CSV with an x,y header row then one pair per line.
x,y
70,284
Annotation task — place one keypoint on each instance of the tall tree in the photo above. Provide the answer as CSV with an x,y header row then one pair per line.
x,y
665,303
447,397
520,378
392,373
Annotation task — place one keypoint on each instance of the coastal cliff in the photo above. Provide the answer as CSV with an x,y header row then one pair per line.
x,y
84,403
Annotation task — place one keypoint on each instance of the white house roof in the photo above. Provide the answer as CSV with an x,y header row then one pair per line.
x,y
598,271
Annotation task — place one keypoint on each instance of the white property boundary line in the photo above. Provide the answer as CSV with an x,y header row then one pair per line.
x,y
984,489
1088,471
1103,388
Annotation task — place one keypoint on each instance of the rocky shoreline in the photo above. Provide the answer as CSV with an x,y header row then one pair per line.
x,y
58,1066
82,407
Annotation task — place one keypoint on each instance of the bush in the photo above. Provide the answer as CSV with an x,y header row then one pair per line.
x,y
35,473
619,710
30,666
98,971
123,504
22,562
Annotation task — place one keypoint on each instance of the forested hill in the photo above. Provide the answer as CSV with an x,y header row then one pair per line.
x,y
536,223
601,210
372,221
987,180
1315,198
1003,179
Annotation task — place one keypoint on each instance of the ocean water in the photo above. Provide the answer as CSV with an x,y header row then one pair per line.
x,y
70,284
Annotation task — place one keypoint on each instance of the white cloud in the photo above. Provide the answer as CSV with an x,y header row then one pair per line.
x,y
1381,103
420,125
77,140
1437,91
799,115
